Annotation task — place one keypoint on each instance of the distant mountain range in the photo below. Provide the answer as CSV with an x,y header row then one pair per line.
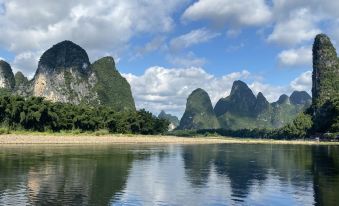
x,y
174,121
242,109
65,74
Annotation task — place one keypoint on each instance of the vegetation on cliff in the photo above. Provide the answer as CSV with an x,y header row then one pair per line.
x,y
243,110
199,112
321,118
112,89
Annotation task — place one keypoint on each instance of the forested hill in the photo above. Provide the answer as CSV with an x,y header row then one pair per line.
x,y
319,119
242,110
65,74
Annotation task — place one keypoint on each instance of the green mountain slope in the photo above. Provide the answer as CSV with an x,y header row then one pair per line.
x,y
112,89
199,112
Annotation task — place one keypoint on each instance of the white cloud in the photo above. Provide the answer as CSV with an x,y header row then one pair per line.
x,y
154,45
272,93
234,13
299,26
27,62
296,57
167,89
194,37
98,27
302,82
323,9
186,60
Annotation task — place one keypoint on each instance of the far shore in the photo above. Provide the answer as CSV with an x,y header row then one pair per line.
x,y
140,139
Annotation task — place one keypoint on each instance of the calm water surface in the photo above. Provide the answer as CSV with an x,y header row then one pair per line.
x,y
224,174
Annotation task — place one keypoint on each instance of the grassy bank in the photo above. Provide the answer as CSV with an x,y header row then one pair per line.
x,y
69,138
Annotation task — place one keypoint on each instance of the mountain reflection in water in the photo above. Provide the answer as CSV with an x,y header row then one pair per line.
x,y
223,174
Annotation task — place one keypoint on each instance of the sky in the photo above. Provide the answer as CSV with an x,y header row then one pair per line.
x,y
166,49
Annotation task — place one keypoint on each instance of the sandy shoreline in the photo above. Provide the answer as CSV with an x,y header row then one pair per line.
x,y
138,139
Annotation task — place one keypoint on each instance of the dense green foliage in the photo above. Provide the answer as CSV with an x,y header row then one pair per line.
x,y
112,89
36,114
327,116
301,127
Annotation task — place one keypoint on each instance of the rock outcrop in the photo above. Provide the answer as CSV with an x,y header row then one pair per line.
x,y
325,77
283,99
199,112
325,86
7,80
65,74
261,105
300,97
241,101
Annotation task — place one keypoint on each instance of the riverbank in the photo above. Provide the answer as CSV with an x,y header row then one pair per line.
x,y
139,139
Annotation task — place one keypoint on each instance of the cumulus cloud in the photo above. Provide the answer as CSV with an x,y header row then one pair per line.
x,y
302,82
155,44
299,26
271,93
27,61
161,88
296,57
233,13
197,36
167,89
104,26
186,60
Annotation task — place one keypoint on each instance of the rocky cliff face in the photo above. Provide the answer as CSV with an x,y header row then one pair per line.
x,y
261,104
64,75
199,112
325,87
325,75
241,101
7,80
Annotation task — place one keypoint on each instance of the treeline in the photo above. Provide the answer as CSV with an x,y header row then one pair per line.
x,y
37,114
303,126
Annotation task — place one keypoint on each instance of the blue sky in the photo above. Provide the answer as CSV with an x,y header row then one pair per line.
x,y
166,49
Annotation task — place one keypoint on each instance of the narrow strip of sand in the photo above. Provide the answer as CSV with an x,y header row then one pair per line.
x,y
138,139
